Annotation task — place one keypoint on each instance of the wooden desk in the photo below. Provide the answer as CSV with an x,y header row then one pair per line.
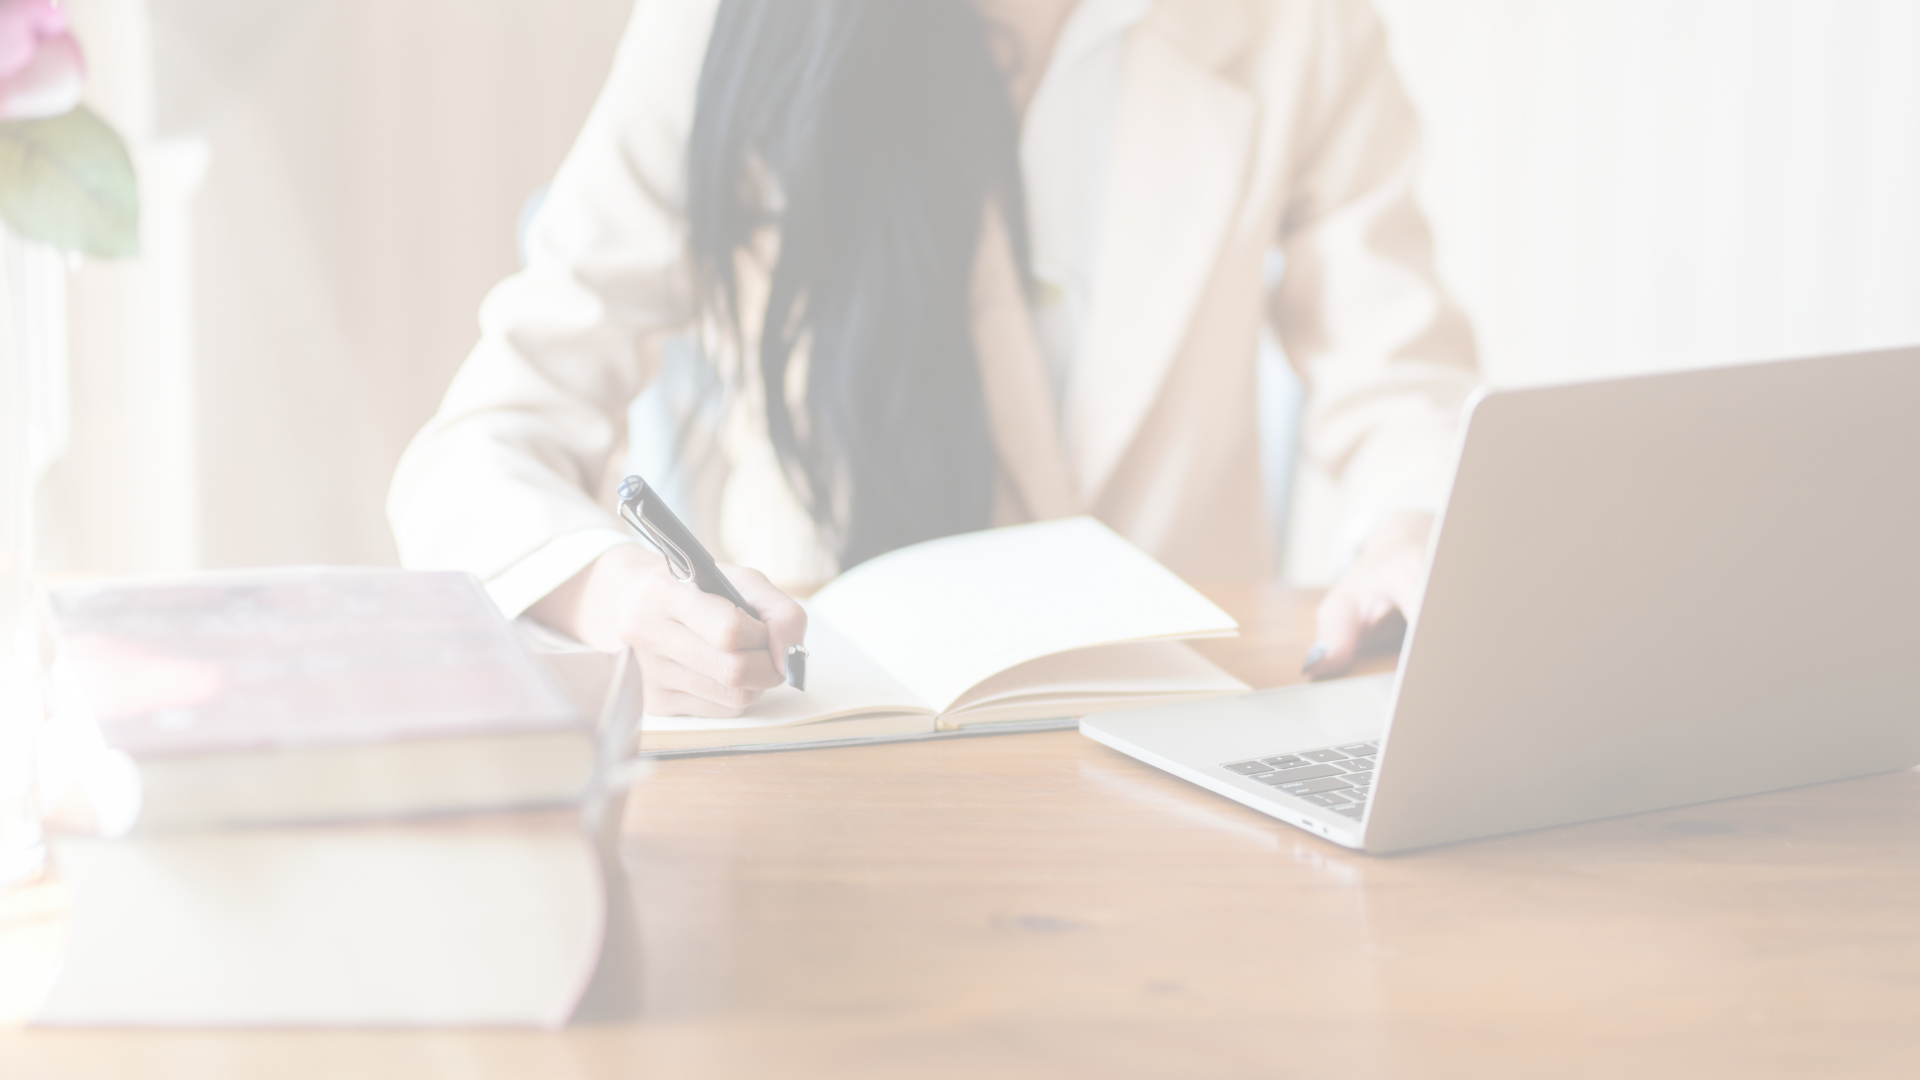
x,y
1038,905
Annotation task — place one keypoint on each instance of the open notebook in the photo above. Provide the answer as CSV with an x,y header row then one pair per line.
x,y
1020,626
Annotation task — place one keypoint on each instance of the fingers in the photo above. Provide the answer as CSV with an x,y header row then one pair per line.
x,y
785,620
1389,576
1340,627
1355,607
699,654
718,669
709,658
707,636
714,619
1403,586
673,689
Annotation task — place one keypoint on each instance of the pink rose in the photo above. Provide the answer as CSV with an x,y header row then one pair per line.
x,y
40,64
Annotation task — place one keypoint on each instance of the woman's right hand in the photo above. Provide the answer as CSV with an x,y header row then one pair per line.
x,y
699,654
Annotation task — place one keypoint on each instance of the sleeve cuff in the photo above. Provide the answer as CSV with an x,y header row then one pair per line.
x,y
521,585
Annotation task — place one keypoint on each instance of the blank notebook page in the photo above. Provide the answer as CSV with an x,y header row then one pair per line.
x,y
944,615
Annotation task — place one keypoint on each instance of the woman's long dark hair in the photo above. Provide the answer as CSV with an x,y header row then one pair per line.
x,y
885,129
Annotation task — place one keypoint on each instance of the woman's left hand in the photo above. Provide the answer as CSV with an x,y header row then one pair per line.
x,y
1387,576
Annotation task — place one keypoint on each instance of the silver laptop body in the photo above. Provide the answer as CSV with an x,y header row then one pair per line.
x,y
1643,592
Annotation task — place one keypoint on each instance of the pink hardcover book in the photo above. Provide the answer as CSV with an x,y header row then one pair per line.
x,y
318,694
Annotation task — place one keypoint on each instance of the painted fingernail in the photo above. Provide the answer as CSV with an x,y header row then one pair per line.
x,y
1314,656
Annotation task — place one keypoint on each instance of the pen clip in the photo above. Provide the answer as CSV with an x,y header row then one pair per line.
x,y
678,564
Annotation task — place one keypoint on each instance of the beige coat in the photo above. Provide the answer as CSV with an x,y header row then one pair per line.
x,y
1242,126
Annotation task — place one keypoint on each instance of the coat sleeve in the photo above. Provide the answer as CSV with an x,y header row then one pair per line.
x,y
1387,359
502,481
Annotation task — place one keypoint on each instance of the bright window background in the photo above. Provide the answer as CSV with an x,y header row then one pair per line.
x,y
332,185
1635,185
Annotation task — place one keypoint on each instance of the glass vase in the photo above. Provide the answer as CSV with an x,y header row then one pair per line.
x,y
32,376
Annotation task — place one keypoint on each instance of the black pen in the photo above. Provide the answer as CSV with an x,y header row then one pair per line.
x,y
643,509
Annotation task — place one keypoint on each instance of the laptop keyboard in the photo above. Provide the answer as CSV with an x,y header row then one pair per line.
x,y
1336,777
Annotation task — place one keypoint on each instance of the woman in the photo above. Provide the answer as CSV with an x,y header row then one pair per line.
x,y
959,263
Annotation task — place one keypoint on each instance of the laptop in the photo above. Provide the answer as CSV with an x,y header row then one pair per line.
x,y
1642,593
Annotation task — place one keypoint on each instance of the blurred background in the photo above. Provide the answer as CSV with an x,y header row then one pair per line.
x,y
330,188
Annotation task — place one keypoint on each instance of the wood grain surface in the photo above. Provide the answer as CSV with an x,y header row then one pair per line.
x,y
1041,906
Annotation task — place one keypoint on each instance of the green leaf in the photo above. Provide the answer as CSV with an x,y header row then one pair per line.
x,y
67,181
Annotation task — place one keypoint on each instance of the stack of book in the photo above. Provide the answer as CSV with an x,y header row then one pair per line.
x,y
365,801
